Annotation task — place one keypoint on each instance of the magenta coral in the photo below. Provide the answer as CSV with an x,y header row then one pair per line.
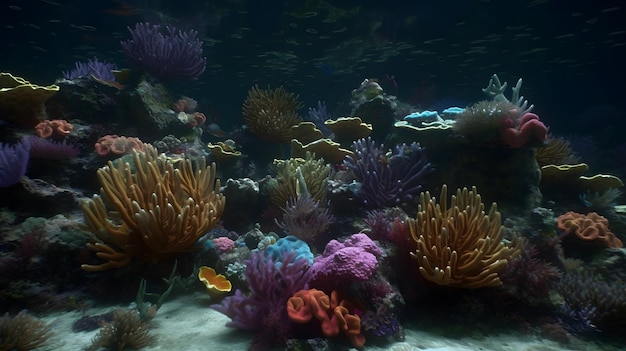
x,y
223,244
355,259
527,129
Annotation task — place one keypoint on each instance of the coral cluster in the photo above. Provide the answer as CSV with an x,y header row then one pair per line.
x,y
590,227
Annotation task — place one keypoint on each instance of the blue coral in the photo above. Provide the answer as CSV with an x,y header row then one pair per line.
x,y
287,245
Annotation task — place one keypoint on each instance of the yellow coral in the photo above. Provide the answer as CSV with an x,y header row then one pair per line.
x,y
22,102
315,174
460,245
157,210
270,113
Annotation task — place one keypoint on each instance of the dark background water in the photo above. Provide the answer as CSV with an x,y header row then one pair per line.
x,y
570,53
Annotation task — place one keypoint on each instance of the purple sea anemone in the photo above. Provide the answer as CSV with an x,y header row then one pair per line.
x,y
166,54
100,70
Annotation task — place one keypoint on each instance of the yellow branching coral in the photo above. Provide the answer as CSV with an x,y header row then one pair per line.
x,y
157,210
314,171
270,113
460,245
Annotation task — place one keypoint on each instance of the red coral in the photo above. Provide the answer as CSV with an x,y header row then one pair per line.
x,y
590,227
333,314
109,145
56,128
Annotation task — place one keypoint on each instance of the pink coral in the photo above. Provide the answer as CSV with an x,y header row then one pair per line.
x,y
223,244
526,129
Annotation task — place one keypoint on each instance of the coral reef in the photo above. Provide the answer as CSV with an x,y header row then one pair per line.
x,y
125,331
314,173
591,227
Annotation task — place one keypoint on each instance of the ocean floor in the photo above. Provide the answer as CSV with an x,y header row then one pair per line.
x,y
187,323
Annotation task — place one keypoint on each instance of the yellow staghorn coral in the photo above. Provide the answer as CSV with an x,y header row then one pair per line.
x,y
460,246
270,113
157,210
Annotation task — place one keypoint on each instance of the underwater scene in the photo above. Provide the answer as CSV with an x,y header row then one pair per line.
x,y
312,175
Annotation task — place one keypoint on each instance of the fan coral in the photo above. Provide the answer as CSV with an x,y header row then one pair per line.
x,y
387,178
590,227
460,245
168,54
270,113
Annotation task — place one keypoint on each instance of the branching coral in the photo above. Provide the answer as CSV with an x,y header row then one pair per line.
x,y
158,210
460,245
270,113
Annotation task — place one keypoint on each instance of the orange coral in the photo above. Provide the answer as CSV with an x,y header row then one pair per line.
x,y
590,227
59,128
117,145
215,283
333,313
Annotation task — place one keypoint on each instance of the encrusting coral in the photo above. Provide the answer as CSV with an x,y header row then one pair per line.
x,y
270,113
459,245
158,210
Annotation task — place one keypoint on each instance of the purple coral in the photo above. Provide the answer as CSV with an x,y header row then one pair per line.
x,y
388,179
101,70
165,54
355,259
305,219
264,308
13,162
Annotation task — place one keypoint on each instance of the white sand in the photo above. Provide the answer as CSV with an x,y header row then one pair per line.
x,y
186,323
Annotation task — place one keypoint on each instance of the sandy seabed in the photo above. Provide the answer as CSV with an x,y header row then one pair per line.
x,y
187,323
